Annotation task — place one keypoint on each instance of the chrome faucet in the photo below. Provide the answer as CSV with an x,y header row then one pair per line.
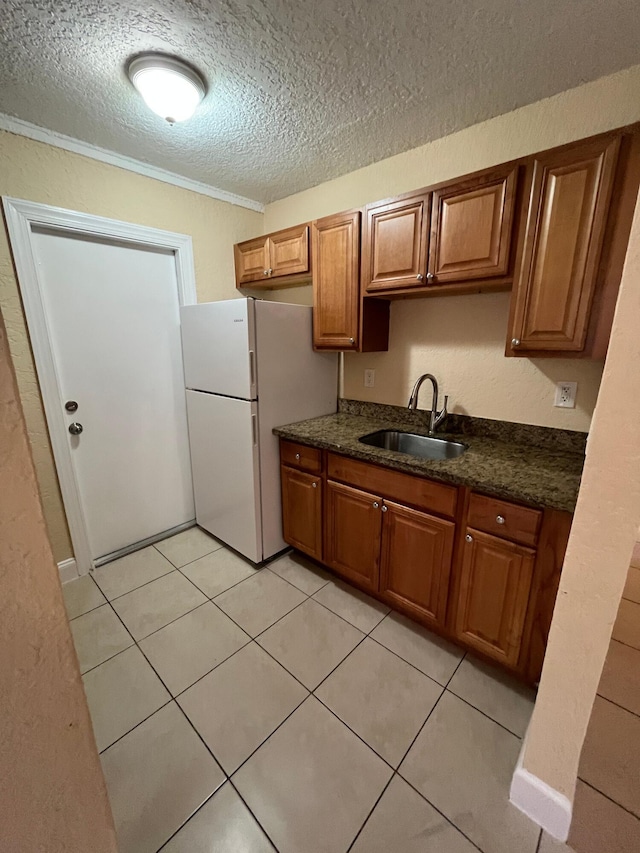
x,y
435,417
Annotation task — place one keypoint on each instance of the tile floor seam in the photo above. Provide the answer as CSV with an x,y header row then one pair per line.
x,y
266,629
484,713
91,609
250,810
155,630
441,813
373,808
135,588
617,704
622,643
139,723
539,841
213,668
444,686
289,582
195,560
313,598
222,592
607,797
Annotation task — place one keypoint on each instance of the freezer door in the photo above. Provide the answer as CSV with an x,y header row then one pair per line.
x,y
218,347
223,433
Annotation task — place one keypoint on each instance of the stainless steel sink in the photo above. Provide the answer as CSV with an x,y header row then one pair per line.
x,y
424,446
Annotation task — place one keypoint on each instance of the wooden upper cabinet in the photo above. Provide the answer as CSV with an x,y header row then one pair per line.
x,y
471,228
302,511
494,585
395,244
275,260
565,227
335,242
416,561
352,534
289,251
252,260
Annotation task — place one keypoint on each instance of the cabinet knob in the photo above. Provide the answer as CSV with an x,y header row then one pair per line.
x,y
384,508
515,342
376,504
314,485
265,272
500,519
297,457
468,538
352,340
269,271
419,276
430,276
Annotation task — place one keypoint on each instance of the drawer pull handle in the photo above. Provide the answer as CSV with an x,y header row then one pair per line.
x,y
500,519
376,504
314,485
469,537
297,457
384,508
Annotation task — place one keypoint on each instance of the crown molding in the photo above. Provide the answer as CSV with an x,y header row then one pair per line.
x,y
85,149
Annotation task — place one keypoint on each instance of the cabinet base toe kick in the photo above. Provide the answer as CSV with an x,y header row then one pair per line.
x,y
476,570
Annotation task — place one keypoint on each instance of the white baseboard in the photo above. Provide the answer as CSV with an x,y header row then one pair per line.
x,y
68,570
543,804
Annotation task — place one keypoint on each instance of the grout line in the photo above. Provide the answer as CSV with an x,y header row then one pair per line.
x,y
90,610
607,797
371,811
189,562
136,588
539,841
442,814
155,631
222,592
618,705
628,645
484,714
139,723
253,815
417,669
344,619
111,657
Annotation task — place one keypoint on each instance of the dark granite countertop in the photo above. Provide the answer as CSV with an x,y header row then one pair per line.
x,y
531,470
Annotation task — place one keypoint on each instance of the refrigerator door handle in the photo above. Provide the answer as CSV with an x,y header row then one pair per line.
x,y
254,429
252,367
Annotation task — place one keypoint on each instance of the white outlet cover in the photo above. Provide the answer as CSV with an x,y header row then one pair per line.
x,y
369,378
566,395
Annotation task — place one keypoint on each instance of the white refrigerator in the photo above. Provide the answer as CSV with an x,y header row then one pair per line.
x,y
249,366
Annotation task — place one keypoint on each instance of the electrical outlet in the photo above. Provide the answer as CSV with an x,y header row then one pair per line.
x,y
369,378
566,395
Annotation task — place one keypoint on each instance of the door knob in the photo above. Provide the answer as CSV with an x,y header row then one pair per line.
x,y
376,504
71,406
468,538
515,342
430,276
75,429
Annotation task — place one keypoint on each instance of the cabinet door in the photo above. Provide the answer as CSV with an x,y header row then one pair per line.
x,y
416,560
302,511
471,226
495,581
568,206
352,541
289,251
395,244
252,260
336,267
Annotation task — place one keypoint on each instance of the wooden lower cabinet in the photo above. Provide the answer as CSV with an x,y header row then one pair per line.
x,y
352,534
494,585
416,561
302,511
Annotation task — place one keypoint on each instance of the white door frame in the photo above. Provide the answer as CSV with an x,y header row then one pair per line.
x,y
21,217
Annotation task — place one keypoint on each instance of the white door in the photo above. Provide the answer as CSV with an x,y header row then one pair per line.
x,y
226,469
112,312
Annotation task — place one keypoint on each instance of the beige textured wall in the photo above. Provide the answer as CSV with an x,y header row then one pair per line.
x,y
599,551
37,172
461,340
52,794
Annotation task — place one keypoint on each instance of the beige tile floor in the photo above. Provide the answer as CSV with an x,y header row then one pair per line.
x,y
606,813
240,710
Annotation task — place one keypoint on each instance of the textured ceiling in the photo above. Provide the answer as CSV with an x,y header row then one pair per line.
x,y
300,92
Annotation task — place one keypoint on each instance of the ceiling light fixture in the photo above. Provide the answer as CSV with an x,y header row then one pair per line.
x,y
169,86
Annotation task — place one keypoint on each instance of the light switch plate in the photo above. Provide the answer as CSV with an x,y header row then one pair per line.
x,y
566,395
369,378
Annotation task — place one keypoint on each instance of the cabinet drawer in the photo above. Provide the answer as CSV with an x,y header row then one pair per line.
x,y
509,521
300,456
393,485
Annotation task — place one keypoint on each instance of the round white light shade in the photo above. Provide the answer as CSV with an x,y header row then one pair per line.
x,y
169,87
